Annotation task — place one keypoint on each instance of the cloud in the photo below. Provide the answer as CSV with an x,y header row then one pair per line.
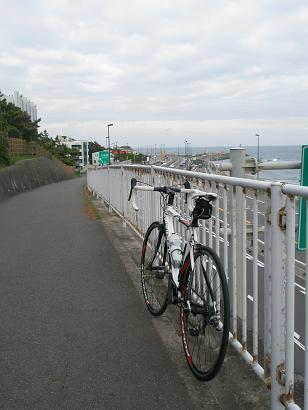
x,y
191,66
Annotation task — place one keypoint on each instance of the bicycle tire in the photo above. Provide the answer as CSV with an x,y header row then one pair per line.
x,y
155,269
198,327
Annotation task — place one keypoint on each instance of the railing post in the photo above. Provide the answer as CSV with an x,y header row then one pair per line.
x,y
123,191
278,278
234,265
306,315
237,156
154,199
290,298
109,190
267,292
225,230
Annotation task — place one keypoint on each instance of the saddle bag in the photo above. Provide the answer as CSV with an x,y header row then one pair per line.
x,y
203,209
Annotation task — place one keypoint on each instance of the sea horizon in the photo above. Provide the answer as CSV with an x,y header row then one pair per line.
x,y
266,153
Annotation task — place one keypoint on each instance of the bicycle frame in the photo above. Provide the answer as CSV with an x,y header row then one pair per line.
x,y
174,241
173,238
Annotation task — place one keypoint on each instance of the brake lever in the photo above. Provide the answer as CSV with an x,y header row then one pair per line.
x,y
133,183
187,186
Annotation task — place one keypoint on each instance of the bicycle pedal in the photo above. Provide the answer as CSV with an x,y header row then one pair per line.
x,y
194,331
219,327
215,322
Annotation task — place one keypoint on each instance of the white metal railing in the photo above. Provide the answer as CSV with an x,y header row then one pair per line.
x,y
253,231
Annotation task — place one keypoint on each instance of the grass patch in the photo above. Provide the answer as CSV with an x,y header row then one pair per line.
x,y
17,158
89,208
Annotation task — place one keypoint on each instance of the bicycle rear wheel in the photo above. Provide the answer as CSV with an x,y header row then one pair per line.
x,y
155,269
205,315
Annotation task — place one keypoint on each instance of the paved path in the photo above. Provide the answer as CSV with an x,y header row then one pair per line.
x,y
73,334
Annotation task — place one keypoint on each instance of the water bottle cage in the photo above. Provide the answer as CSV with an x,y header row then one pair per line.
x,y
202,210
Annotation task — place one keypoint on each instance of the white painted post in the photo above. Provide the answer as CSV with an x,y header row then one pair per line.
x,y
255,276
237,156
267,287
122,193
109,190
306,316
278,277
153,197
290,298
244,273
225,230
234,265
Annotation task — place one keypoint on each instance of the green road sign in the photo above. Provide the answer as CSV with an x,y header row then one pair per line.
x,y
301,238
103,157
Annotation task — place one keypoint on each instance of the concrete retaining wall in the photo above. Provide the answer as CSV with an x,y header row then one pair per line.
x,y
29,174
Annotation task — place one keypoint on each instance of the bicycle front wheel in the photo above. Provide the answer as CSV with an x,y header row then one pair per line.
x,y
155,269
205,315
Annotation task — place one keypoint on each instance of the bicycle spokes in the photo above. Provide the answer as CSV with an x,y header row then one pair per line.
x,y
205,318
155,270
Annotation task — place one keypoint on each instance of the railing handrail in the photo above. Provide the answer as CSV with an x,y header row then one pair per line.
x,y
288,189
263,165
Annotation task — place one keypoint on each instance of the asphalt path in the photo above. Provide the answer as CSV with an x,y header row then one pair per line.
x,y
73,333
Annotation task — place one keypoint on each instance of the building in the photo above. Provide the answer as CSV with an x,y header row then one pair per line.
x,y
95,158
23,103
82,160
125,149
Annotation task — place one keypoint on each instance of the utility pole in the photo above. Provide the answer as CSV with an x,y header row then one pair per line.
x,y
109,125
186,154
258,154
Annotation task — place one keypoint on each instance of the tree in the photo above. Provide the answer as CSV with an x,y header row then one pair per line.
x,y
15,123
19,124
4,155
60,151
138,158
94,147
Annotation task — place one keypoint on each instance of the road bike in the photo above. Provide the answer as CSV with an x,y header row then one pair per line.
x,y
188,274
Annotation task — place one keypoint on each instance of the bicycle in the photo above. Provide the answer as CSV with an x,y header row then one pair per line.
x,y
189,275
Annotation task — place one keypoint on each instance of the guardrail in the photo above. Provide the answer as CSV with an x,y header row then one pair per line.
x,y
268,296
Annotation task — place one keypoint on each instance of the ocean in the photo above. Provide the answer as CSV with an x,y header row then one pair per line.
x,y
282,153
266,153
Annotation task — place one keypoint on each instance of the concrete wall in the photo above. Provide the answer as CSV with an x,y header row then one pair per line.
x,y
29,174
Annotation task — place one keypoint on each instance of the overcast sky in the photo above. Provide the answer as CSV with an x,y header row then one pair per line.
x,y
213,72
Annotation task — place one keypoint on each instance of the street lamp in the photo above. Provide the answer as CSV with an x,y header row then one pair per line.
x,y
186,154
109,125
258,155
